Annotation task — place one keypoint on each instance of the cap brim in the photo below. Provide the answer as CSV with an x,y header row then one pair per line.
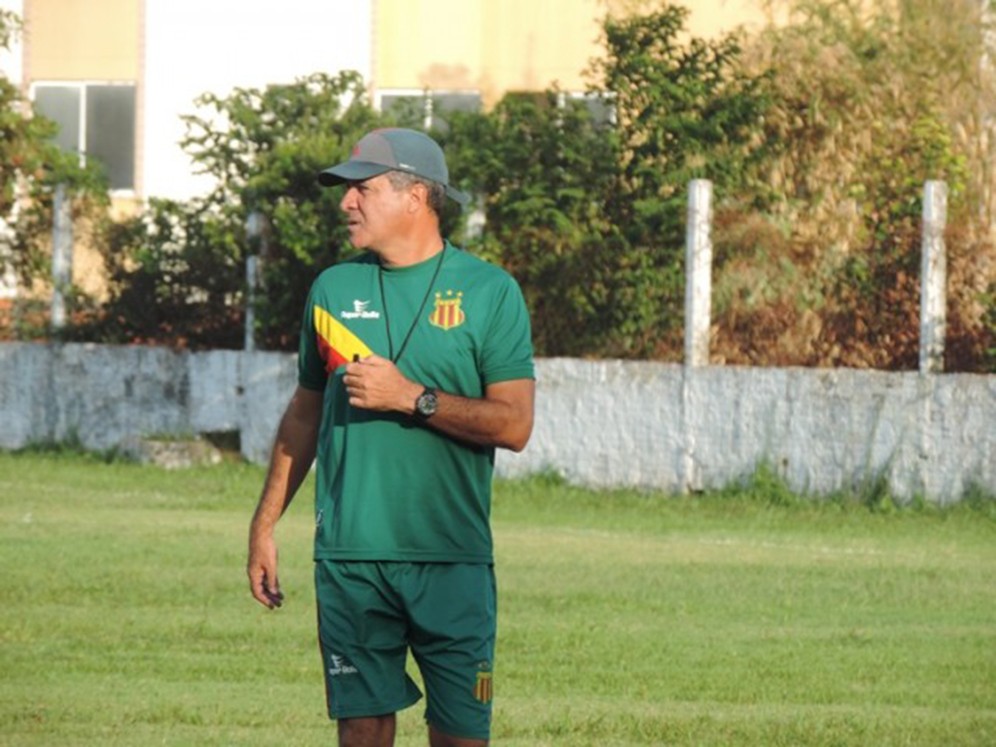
x,y
461,198
357,171
350,171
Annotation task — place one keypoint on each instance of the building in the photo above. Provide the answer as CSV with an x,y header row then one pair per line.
x,y
117,75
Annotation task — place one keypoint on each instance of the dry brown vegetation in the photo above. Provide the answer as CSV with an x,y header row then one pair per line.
x,y
871,101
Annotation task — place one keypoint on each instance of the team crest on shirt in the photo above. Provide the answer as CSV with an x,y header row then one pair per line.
x,y
447,314
484,685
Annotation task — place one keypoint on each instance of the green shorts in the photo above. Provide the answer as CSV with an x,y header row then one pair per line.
x,y
370,614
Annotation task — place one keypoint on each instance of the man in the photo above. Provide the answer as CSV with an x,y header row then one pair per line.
x,y
415,363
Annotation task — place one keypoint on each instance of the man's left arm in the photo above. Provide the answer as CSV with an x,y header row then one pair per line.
x,y
503,417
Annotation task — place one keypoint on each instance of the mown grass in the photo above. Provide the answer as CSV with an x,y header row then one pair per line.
x,y
738,618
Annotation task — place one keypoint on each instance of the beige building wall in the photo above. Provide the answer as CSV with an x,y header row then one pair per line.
x,y
98,41
82,39
710,18
86,40
489,47
494,46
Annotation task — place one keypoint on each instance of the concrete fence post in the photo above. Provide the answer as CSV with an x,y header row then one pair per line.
x,y
427,111
698,302
62,255
256,235
250,332
933,278
698,272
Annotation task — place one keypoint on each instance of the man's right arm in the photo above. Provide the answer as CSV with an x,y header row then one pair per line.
x,y
291,458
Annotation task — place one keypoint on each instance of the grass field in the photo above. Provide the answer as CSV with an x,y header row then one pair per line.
x,y
744,618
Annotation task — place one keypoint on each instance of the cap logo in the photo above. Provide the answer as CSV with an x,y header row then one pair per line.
x,y
406,166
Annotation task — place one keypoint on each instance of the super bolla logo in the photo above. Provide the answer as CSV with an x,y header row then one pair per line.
x,y
360,311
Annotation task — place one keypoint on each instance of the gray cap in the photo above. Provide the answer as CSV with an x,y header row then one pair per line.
x,y
394,149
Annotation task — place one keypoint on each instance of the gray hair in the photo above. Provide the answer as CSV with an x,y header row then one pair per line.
x,y
435,190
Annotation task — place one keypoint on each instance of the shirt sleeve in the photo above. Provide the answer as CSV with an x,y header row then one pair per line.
x,y
311,372
507,351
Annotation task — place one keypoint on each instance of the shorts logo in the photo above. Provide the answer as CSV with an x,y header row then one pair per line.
x,y
340,665
484,687
447,313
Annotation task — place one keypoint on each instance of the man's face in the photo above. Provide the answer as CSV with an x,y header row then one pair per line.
x,y
375,212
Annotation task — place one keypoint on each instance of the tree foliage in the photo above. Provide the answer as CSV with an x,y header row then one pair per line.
x,y
817,134
31,166
542,168
590,216
264,148
581,212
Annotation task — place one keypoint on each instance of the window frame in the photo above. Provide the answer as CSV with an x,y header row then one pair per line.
x,y
428,96
82,87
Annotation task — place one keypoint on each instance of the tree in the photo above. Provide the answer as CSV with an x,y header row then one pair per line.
x,y
542,167
590,216
817,135
31,166
686,109
264,148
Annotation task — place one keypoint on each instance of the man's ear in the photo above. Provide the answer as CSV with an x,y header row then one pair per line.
x,y
418,197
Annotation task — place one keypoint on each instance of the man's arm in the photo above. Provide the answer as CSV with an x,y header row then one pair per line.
x,y
291,458
503,417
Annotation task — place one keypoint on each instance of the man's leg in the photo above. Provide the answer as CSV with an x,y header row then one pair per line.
x,y
438,739
373,731
452,609
363,661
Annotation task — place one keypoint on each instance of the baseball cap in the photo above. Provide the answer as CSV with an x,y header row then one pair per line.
x,y
394,149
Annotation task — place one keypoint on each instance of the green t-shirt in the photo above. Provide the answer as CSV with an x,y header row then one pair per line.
x,y
388,488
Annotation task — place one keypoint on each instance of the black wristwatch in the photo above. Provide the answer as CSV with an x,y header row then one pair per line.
x,y
426,404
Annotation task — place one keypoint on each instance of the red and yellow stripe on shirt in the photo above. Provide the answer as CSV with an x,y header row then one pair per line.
x,y
336,344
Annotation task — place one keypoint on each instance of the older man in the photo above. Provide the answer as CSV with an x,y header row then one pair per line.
x,y
415,364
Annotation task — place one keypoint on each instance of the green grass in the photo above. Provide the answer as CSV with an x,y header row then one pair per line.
x,y
739,618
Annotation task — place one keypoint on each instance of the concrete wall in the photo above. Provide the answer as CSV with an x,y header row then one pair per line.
x,y
599,423
642,424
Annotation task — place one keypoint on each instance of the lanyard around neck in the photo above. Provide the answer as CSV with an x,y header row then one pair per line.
x,y
418,315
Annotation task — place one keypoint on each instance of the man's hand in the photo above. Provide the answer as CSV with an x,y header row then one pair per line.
x,y
375,383
262,571
291,458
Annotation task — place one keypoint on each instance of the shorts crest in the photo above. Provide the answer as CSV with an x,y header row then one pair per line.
x,y
484,687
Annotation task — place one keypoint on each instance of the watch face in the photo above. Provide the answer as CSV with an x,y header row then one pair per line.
x,y
426,404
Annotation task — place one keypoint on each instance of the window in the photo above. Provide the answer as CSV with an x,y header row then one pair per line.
x,y
96,120
427,109
601,109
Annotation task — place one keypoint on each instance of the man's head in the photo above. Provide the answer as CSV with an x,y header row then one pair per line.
x,y
410,153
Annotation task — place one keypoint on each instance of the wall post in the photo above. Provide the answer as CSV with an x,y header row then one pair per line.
x,y
62,255
256,234
698,272
933,278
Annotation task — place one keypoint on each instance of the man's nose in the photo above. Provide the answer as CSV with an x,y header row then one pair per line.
x,y
348,200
